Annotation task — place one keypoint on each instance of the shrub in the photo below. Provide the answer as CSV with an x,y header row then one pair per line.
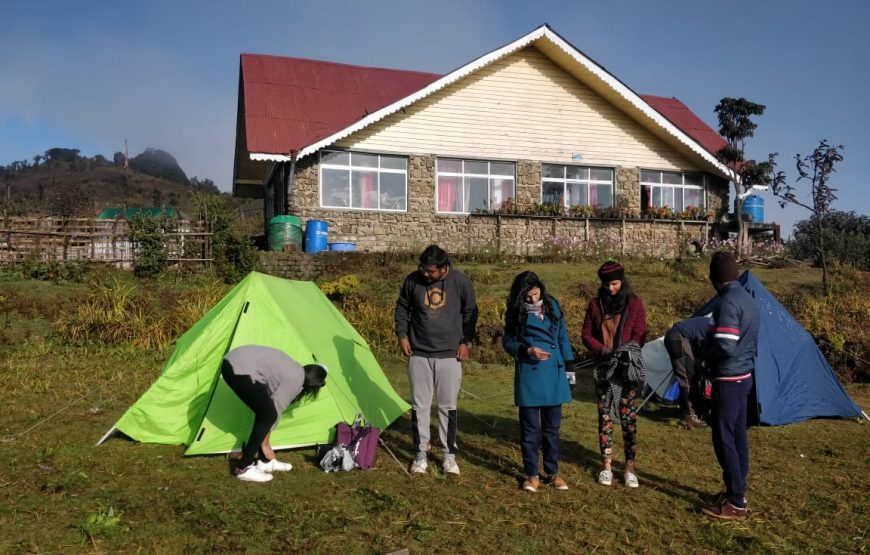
x,y
847,239
74,271
341,288
838,323
237,259
115,313
148,234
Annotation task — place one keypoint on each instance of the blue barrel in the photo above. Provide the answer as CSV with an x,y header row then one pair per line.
x,y
315,235
753,208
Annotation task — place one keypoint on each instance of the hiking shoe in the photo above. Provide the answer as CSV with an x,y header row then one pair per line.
x,y
605,477
419,465
631,480
532,484
724,511
719,498
559,483
253,474
449,466
691,421
274,466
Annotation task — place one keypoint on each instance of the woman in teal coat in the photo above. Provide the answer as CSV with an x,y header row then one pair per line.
x,y
536,336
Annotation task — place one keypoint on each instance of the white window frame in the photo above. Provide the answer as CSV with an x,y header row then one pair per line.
x,y
350,168
489,176
587,182
682,187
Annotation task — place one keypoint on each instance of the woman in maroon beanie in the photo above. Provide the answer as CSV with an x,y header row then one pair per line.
x,y
614,329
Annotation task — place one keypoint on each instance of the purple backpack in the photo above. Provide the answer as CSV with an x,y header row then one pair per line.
x,y
361,440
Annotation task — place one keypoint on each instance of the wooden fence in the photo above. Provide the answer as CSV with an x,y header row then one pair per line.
x,y
72,239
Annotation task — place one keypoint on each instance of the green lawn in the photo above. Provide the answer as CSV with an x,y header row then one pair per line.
x,y
808,482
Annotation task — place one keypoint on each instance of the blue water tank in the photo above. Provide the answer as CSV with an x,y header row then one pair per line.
x,y
753,209
316,232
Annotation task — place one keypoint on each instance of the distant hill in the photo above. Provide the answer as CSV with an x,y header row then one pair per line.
x,y
159,163
64,183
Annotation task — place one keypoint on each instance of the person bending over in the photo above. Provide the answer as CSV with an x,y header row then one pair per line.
x,y
267,381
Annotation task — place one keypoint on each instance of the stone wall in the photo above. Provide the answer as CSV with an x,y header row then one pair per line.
x,y
290,265
628,190
420,225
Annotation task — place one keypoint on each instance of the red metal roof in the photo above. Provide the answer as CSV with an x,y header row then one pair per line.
x,y
291,103
679,114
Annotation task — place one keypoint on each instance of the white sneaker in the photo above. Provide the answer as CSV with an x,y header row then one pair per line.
x,y
449,466
253,474
274,466
631,480
605,477
419,466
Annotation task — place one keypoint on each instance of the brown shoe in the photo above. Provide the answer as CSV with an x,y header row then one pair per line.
x,y
724,511
531,484
559,483
719,498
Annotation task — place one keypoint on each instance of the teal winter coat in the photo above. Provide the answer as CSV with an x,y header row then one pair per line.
x,y
541,383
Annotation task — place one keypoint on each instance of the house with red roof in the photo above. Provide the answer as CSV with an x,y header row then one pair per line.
x,y
527,145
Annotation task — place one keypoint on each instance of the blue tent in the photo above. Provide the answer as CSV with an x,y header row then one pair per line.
x,y
793,381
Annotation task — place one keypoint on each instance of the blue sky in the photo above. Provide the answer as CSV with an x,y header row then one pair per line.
x,y
164,74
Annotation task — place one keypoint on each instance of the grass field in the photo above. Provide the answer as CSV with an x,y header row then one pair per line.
x,y
808,482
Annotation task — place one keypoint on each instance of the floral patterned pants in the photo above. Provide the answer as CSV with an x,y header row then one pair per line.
x,y
628,419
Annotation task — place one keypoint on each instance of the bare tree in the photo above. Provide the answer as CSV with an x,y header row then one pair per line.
x,y
817,169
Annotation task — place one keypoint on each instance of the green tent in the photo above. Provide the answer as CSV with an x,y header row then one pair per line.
x,y
191,404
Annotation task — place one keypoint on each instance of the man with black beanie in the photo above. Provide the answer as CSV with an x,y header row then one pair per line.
x,y
729,361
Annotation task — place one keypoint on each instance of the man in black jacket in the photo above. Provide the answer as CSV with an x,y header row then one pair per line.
x,y
729,358
436,314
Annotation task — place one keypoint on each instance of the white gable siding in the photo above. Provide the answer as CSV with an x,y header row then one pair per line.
x,y
521,107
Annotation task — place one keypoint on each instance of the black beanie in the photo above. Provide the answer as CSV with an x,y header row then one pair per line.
x,y
611,271
723,267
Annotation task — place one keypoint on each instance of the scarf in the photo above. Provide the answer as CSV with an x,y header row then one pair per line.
x,y
535,308
623,367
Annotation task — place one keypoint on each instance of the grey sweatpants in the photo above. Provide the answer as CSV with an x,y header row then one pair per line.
x,y
443,376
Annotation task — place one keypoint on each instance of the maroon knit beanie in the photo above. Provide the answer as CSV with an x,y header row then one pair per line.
x,y
611,271
723,267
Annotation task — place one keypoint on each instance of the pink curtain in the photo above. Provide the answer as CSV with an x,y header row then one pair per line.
x,y
507,190
368,187
593,195
447,187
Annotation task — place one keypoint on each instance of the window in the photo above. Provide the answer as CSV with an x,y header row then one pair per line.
x,y
675,190
576,186
466,186
363,181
